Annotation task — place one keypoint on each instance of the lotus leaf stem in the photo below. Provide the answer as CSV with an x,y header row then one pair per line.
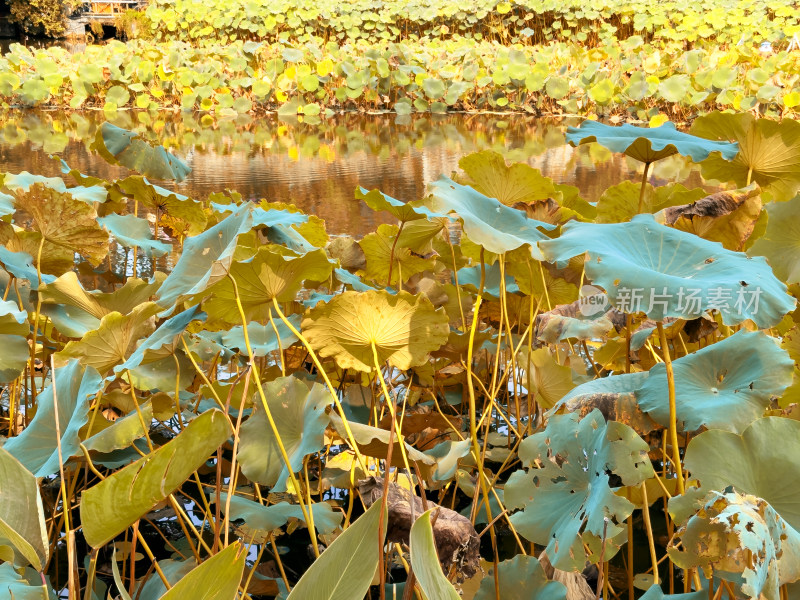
x,y
673,418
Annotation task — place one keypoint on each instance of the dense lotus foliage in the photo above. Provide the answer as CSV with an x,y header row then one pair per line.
x,y
212,397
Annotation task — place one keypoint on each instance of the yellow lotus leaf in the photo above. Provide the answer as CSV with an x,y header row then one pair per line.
x,y
403,328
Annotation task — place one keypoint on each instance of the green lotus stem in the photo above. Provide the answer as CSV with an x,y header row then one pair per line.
x,y
306,510
649,528
673,418
331,389
643,188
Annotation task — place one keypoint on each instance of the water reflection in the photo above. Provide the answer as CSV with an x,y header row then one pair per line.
x,y
318,165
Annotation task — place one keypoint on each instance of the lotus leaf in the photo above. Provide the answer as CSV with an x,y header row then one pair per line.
x,y
374,442
386,258
216,578
267,518
470,277
345,570
487,222
263,339
769,151
620,203
182,215
402,211
649,144
447,455
780,244
299,415
14,331
656,593
489,174
67,399
546,378
123,432
20,265
726,385
21,512
133,232
569,504
91,193
644,266
111,506
521,578
26,586
121,147
425,561
402,329
737,536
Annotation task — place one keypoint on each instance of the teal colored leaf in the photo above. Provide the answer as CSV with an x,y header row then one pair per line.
x,y
656,593
447,455
649,144
20,265
488,222
521,578
27,586
22,182
648,267
402,211
36,447
726,385
6,204
134,232
267,518
299,415
571,503
21,513
262,337
470,277
425,561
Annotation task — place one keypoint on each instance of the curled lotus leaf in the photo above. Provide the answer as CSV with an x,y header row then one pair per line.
x,y
267,518
425,561
22,182
127,148
648,267
780,243
21,513
20,265
133,232
521,578
649,144
743,539
402,211
491,176
486,221
176,212
570,503
726,385
402,329
769,151
374,441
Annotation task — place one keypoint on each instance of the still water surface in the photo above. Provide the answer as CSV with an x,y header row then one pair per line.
x,y
318,165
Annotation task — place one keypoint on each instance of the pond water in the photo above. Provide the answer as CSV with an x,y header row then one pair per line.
x,y
318,165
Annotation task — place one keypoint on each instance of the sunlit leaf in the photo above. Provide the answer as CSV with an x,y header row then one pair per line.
x,y
216,578
425,561
780,244
133,232
489,174
21,513
521,578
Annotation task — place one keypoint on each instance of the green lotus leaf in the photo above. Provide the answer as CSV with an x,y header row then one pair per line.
x,y
134,232
743,540
27,586
62,220
769,151
489,174
14,330
216,578
645,266
274,272
122,147
267,518
299,414
123,432
21,513
262,337
521,578
719,459
447,455
111,506
402,329
381,250
780,243
118,95
37,446
649,144
569,504
791,343
115,338
675,88
374,442
425,561
620,203
487,221
726,385
345,570
470,277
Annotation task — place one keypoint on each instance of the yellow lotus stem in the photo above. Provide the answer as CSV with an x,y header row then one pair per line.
x,y
673,417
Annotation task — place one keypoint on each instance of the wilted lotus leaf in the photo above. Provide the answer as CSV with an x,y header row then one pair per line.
x,y
133,232
21,512
584,319
373,441
377,247
274,272
565,494
769,151
55,259
546,378
262,337
791,343
547,289
645,266
267,518
727,217
521,578
111,506
402,211
122,147
115,338
489,174
614,396
620,203
299,414
346,250
742,539
719,459
403,328
487,221
62,220
649,144
37,446
780,244
726,385
179,213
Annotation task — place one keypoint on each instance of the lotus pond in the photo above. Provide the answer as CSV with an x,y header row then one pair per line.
x,y
563,365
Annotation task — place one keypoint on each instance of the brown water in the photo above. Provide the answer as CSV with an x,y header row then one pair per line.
x,y
318,165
